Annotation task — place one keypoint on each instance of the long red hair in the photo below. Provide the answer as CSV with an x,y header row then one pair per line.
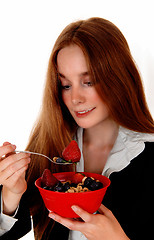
x,y
117,81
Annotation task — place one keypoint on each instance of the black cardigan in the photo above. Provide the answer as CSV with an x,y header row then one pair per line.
x,y
129,197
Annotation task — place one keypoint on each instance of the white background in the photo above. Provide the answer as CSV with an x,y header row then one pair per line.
x,y
28,30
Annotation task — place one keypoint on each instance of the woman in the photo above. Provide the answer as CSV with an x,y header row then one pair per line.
x,y
93,93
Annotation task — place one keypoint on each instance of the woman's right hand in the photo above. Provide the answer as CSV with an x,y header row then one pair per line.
x,y
12,176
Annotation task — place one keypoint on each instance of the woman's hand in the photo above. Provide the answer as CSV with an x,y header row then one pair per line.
x,y
94,226
12,176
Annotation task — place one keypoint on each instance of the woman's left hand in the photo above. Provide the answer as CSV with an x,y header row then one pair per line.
x,y
94,226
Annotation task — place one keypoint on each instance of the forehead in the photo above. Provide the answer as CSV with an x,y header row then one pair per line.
x,y
71,58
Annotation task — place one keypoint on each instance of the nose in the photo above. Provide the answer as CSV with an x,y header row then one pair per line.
x,y
77,96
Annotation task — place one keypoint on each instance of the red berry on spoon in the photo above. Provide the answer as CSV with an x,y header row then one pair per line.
x,y
72,152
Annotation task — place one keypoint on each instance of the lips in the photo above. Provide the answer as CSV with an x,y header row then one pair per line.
x,y
84,113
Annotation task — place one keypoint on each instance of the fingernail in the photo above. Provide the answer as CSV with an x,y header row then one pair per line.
x,y
6,143
75,209
14,146
52,216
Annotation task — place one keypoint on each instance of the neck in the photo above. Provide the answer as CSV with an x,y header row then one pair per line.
x,y
102,135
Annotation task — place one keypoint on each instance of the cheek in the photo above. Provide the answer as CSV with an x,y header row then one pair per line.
x,y
100,103
93,96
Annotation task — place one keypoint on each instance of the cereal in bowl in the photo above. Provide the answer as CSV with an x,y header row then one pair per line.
x,y
77,184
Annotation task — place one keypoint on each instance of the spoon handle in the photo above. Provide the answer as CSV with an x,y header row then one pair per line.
x,y
35,154
40,154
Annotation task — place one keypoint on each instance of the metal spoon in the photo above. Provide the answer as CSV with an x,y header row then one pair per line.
x,y
40,154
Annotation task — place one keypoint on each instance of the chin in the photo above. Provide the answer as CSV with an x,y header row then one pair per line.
x,y
85,124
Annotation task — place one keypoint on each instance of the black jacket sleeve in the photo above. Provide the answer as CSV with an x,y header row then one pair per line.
x,y
22,226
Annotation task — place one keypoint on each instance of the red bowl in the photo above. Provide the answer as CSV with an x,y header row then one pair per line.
x,y
60,202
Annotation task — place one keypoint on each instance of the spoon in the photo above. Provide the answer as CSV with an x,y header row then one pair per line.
x,y
40,154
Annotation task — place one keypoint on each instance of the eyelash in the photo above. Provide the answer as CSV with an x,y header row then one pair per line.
x,y
67,87
89,83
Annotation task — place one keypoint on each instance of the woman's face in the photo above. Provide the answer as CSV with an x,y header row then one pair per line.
x,y
78,92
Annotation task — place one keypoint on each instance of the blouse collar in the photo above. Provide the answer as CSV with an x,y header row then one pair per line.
x,y
128,145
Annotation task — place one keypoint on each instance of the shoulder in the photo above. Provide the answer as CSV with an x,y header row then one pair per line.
x,y
140,146
149,147
144,162
148,153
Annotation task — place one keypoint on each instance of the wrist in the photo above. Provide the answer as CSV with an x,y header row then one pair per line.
x,y
10,201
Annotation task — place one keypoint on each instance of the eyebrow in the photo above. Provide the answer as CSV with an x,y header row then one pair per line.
x,y
84,74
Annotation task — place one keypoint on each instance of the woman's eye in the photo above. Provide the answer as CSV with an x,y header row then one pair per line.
x,y
89,83
66,87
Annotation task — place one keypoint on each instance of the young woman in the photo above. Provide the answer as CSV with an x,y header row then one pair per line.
x,y
94,94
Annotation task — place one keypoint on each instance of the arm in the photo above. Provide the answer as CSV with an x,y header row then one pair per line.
x,y
16,226
6,222
94,226
12,178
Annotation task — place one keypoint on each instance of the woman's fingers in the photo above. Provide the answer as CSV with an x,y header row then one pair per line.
x,y
104,211
94,226
12,179
12,165
6,143
7,170
87,217
12,161
72,224
6,149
